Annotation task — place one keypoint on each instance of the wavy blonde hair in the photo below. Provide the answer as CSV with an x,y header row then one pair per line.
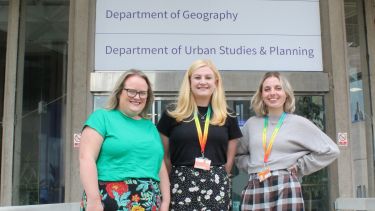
x,y
257,102
186,105
113,100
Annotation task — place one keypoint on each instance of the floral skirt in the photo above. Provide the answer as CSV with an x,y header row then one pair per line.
x,y
196,189
132,194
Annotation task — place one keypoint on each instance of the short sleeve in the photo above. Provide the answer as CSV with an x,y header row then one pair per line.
x,y
97,122
165,124
233,128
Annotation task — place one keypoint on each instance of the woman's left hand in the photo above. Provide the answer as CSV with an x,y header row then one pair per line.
x,y
293,169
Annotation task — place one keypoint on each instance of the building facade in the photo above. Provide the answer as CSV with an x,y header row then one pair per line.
x,y
49,85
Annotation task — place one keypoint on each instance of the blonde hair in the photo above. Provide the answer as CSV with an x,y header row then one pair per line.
x,y
186,105
257,102
113,101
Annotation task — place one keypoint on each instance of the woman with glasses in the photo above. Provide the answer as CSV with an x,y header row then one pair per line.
x,y
278,147
200,136
121,154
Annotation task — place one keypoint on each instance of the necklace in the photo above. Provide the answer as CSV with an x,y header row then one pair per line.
x,y
202,112
202,116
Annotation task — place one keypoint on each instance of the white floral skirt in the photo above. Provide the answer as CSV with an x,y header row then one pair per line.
x,y
196,189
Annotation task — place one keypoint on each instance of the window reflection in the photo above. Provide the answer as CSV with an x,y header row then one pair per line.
x,y
353,34
361,128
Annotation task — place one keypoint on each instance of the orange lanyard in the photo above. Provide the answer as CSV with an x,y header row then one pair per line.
x,y
202,137
267,150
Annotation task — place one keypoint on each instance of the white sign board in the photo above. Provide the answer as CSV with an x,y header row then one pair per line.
x,y
236,35
342,139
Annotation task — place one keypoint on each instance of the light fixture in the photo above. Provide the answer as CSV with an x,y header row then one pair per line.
x,y
355,89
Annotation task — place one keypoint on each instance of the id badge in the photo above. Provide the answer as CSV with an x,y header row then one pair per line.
x,y
202,163
264,174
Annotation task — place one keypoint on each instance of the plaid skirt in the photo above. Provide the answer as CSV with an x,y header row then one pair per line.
x,y
195,189
281,191
131,194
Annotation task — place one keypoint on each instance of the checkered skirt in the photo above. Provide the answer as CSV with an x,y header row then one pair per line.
x,y
282,191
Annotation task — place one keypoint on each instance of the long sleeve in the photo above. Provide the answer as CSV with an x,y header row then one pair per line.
x,y
298,142
323,150
243,155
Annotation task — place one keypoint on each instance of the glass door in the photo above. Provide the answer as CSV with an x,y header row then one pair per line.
x,y
38,169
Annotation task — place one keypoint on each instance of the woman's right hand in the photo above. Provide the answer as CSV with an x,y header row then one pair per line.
x,y
91,142
94,205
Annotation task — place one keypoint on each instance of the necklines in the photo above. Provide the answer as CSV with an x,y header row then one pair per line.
x,y
202,112
273,118
202,116
136,118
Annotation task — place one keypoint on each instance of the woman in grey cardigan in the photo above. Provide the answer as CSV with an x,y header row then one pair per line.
x,y
278,147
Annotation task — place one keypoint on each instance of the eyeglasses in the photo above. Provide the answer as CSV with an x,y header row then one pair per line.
x,y
132,93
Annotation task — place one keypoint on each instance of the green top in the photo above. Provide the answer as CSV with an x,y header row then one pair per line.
x,y
131,148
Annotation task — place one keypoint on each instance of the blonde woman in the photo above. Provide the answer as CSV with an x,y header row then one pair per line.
x,y
200,137
121,155
278,147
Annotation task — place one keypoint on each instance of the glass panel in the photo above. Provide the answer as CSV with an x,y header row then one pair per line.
x,y
100,101
361,130
315,186
242,109
40,104
160,106
4,5
355,73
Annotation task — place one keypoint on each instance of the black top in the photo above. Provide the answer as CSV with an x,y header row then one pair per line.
x,y
184,143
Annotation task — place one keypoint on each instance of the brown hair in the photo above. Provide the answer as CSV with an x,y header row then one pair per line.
x,y
257,102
